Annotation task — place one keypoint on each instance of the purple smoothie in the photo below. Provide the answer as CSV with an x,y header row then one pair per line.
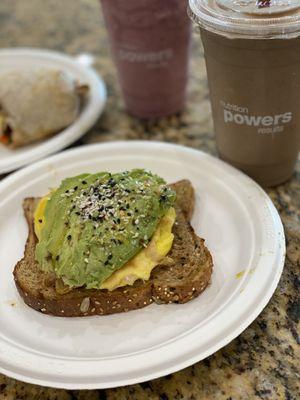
x,y
150,45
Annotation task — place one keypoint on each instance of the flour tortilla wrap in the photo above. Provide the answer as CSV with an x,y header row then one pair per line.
x,y
37,104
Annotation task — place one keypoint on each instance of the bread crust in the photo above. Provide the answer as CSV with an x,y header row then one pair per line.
x,y
180,277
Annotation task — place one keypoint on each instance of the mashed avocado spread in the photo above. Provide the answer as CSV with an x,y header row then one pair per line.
x,y
95,223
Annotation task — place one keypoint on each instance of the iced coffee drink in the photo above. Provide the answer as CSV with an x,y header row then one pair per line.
x,y
252,53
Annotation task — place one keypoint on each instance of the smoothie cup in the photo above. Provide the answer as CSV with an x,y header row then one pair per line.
x,y
150,45
252,53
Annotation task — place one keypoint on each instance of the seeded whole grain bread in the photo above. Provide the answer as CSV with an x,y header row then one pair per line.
x,y
181,276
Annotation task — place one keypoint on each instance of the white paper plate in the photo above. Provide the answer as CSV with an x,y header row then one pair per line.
x,y
19,58
242,230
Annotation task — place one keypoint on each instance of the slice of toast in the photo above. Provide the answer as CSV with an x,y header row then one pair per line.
x,y
181,276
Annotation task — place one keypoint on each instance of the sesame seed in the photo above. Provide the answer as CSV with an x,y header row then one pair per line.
x,y
129,300
97,303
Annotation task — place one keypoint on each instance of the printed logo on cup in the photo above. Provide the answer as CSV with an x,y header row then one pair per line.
x,y
145,57
265,124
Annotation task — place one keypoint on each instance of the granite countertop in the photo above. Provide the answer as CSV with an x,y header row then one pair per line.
x,y
263,362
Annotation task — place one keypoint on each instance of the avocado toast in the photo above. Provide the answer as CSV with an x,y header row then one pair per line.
x,y
178,276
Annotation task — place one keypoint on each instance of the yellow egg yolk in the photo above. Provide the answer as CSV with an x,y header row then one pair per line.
x,y
39,218
141,265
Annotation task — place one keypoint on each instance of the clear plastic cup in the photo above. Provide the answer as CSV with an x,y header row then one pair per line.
x,y
252,53
150,45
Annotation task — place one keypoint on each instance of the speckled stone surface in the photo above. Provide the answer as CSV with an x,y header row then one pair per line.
x,y
263,362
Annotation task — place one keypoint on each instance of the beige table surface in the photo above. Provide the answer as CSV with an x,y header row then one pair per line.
x,y
263,362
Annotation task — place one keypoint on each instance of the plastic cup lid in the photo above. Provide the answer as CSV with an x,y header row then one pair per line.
x,y
248,18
